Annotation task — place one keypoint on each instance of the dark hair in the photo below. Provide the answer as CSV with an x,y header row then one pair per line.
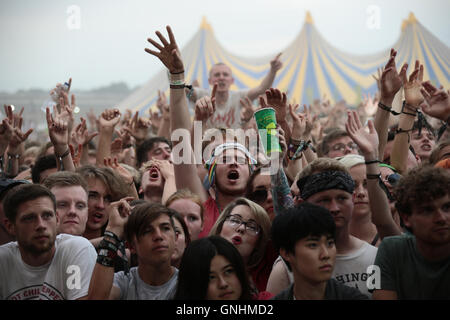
x,y
333,134
146,146
42,163
421,185
179,218
142,215
65,179
299,222
21,194
193,276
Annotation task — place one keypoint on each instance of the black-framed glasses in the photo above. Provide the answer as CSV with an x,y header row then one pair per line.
x,y
259,195
341,146
235,221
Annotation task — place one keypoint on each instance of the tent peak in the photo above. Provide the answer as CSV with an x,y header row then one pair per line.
x,y
308,18
410,20
205,24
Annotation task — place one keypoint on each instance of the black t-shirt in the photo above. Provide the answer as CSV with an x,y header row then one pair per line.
x,y
333,291
404,270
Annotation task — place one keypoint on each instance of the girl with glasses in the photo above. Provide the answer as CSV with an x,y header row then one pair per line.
x,y
247,225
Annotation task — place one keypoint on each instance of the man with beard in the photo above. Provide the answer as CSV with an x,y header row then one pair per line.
x,y
41,264
416,266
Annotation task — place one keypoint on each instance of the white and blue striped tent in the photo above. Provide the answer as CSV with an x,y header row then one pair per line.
x,y
312,67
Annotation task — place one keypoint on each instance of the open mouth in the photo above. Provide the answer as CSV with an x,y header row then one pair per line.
x,y
153,174
97,217
425,147
233,175
236,240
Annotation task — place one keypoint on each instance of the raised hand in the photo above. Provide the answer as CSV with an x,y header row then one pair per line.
x,y
80,135
438,101
17,135
138,127
366,141
6,129
169,54
391,80
277,100
65,112
118,212
165,167
163,105
275,63
57,131
206,106
109,118
124,173
247,109
298,122
413,96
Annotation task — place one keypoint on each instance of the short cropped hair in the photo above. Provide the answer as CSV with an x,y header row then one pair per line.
x,y
21,194
299,222
65,179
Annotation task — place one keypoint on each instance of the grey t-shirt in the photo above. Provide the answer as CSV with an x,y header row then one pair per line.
x,y
405,271
133,288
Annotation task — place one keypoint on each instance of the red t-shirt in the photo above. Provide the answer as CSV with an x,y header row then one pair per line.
x,y
210,215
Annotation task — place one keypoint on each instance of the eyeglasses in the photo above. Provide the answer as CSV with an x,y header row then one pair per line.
x,y
259,195
236,221
341,146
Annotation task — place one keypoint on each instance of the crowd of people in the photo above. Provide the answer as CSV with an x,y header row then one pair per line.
x,y
123,206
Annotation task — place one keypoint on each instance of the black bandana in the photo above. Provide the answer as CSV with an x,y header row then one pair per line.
x,y
325,181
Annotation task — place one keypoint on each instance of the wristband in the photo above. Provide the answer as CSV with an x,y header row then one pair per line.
x,y
65,154
388,109
177,72
373,176
372,161
112,236
11,156
105,261
408,105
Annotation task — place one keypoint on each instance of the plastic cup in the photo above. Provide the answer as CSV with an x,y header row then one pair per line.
x,y
267,123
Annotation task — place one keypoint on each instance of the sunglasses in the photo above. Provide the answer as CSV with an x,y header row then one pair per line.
x,y
259,195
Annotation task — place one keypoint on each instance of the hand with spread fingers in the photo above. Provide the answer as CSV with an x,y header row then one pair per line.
x,y
437,101
413,95
168,53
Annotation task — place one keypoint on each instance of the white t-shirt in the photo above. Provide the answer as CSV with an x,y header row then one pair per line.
x,y
351,269
66,276
227,115
133,288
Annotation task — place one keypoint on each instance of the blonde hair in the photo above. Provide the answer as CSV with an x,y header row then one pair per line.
x,y
261,218
186,194
321,165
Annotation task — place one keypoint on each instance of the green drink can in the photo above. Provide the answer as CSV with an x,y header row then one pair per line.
x,y
267,123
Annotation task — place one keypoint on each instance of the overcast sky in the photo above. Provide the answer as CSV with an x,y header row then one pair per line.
x,y
102,41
